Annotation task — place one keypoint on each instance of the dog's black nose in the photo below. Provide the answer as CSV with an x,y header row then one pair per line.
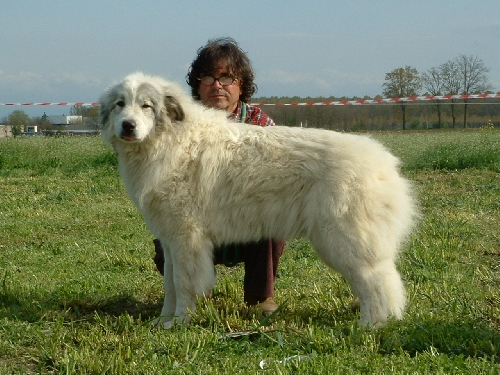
x,y
128,127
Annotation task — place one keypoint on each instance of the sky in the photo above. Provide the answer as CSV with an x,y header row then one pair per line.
x,y
70,51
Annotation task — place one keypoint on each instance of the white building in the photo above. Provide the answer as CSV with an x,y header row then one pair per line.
x,y
65,120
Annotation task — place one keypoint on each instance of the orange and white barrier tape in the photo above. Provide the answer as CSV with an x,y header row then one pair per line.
x,y
339,103
389,100
47,104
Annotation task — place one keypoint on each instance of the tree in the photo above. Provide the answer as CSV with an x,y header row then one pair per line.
x,y
473,77
90,115
433,83
451,83
43,122
18,119
401,83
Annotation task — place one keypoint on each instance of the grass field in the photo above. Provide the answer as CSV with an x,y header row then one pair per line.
x,y
78,288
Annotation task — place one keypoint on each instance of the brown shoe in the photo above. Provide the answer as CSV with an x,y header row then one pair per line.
x,y
268,306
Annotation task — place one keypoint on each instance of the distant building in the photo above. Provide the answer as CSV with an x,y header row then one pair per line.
x,y
64,120
82,129
5,131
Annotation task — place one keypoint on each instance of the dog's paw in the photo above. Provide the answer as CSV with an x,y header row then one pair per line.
x,y
161,323
355,305
169,324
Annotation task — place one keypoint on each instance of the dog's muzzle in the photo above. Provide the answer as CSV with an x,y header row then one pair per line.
x,y
128,130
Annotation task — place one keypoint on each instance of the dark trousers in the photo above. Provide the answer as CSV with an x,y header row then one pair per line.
x,y
261,265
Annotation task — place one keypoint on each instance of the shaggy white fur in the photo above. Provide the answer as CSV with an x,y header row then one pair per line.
x,y
200,181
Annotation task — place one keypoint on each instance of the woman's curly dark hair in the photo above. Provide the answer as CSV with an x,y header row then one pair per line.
x,y
237,61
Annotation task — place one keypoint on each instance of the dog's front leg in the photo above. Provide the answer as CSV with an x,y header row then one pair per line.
x,y
193,277
168,309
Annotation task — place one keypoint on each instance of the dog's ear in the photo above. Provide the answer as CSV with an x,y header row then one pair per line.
x,y
104,109
174,108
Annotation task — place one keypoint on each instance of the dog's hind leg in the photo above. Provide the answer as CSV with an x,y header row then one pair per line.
x,y
375,282
394,291
380,292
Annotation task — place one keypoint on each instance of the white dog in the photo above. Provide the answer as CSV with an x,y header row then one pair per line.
x,y
200,181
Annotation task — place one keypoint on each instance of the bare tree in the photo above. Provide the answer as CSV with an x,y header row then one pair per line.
x,y
90,115
473,77
433,83
451,83
400,83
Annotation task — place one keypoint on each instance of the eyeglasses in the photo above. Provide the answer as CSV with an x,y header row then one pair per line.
x,y
226,80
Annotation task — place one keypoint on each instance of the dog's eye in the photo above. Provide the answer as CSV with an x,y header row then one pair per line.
x,y
145,105
120,103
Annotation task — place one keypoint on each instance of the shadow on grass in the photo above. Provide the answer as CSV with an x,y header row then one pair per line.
x,y
48,307
321,315
464,337
469,338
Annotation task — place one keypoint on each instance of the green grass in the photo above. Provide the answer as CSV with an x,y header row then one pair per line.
x,y
446,151
78,288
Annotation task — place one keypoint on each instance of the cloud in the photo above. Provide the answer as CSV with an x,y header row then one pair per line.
x,y
326,82
23,78
352,78
76,78
294,35
21,86
282,77
28,86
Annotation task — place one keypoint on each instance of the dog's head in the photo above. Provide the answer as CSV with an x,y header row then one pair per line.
x,y
139,106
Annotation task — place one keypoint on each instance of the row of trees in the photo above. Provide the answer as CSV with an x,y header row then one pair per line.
x,y
420,115
462,75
